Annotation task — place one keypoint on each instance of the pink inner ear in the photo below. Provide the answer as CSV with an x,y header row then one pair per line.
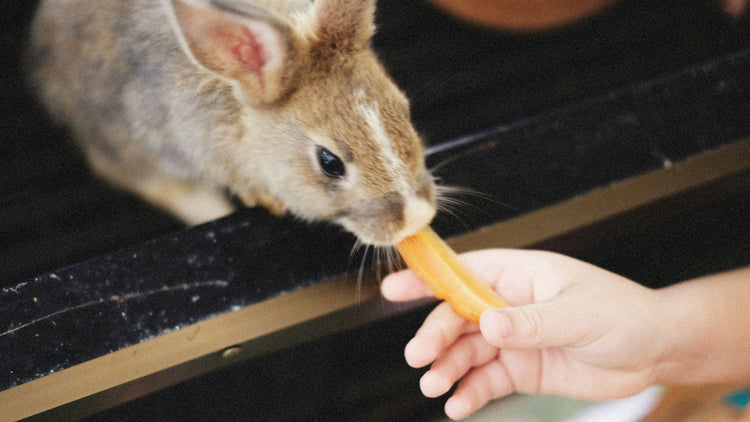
x,y
250,52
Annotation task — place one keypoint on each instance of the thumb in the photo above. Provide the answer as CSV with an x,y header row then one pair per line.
x,y
533,326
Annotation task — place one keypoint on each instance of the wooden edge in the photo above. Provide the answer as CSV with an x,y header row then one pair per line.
x,y
270,325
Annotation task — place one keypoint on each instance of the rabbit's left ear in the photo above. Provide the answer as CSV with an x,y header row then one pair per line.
x,y
239,42
344,21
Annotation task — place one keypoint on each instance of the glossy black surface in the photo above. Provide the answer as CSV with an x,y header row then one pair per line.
x,y
539,161
87,310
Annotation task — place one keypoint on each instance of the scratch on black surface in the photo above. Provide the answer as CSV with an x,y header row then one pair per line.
x,y
122,298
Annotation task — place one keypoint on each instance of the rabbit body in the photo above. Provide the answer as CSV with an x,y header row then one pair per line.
x,y
280,102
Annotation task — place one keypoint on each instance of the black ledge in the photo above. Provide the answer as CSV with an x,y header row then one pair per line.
x,y
63,318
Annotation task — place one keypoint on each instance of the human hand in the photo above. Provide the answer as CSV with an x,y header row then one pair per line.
x,y
573,329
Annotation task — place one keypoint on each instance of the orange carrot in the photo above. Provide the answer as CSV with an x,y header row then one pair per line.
x,y
438,267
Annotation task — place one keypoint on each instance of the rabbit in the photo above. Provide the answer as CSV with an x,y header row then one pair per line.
x,y
281,103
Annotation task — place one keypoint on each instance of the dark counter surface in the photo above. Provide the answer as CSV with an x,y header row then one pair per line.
x,y
86,310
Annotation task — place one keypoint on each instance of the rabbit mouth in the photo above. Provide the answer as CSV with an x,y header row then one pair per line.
x,y
386,225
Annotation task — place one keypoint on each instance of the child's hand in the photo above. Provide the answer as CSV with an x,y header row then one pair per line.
x,y
573,329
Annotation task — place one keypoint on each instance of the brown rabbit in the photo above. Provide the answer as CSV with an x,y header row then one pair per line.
x,y
281,102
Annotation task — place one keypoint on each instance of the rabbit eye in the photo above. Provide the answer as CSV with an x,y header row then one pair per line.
x,y
330,163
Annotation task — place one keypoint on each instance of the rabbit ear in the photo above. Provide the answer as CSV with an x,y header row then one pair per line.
x,y
345,21
239,42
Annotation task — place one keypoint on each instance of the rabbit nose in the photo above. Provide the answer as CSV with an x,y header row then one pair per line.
x,y
388,219
393,205
410,213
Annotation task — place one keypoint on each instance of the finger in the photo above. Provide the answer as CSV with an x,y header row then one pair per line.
x,y
403,286
546,324
440,329
481,385
519,276
467,352
489,266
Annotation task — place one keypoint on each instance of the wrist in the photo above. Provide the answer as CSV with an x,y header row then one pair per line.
x,y
703,330
676,357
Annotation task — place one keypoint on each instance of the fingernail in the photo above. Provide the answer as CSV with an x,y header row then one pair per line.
x,y
414,354
433,385
408,352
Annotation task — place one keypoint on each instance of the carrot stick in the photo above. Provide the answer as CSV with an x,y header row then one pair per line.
x,y
438,267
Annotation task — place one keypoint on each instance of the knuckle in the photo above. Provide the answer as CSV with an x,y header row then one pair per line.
x,y
531,327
